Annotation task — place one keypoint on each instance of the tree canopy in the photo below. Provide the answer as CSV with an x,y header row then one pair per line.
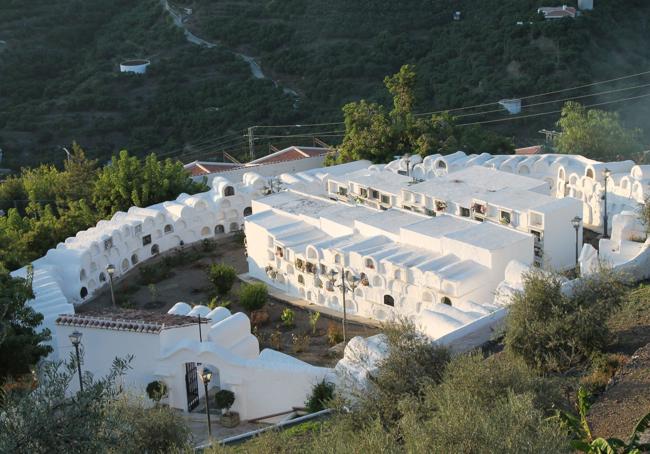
x,y
596,134
372,132
21,342
44,205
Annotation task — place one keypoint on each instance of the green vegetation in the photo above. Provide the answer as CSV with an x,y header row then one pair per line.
x,y
59,78
465,404
222,277
555,332
339,53
60,81
157,390
20,339
321,394
45,205
375,134
224,400
287,317
98,419
253,297
595,133
585,442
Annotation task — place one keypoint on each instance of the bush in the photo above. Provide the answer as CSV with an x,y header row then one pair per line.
x,y
156,390
321,393
287,317
554,332
300,342
224,400
253,296
334,334
222,277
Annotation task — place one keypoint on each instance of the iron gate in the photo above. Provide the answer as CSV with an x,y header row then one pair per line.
x,y
191,386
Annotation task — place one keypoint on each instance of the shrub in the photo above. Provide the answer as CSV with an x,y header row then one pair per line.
x,y
334,334
313,321
287,317
224,400
300,342
321,393
253,296
222,277
603,368
156,390
554,332
275,340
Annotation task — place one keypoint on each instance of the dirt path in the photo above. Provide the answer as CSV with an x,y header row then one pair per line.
x,y
627,399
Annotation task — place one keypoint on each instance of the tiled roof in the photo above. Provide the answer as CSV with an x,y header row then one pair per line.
x,y
292,153
128,320
535,149
198,168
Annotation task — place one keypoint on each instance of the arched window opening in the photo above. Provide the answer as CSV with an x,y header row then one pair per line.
x,y
155,249
248,211
134,259
125,265
83,292
219,229
301,279
102,277
169,229
228,191
205,231
370,264
446,301
389,301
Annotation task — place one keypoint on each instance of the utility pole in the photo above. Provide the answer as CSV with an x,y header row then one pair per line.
x,y
251,143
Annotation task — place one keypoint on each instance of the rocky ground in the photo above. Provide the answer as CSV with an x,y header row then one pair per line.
x,y
626,400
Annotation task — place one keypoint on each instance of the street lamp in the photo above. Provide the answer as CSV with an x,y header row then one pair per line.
x,y
351,285
206,376
606,174
575,222
110,269
75,338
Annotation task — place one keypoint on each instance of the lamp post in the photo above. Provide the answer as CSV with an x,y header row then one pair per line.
x,y
575,222
110,269
606,174
351,284
206,376
75,338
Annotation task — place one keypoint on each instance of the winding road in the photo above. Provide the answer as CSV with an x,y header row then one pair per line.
x,y
256,69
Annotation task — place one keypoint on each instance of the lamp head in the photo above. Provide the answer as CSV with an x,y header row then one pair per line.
x,y
332,274
576,222
206,375
607,172
75,338
110,269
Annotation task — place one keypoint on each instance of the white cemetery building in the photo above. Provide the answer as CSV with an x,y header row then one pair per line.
x,y
442,240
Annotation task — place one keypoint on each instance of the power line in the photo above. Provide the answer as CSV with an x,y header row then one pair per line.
x,y
557,100
551,112
540,94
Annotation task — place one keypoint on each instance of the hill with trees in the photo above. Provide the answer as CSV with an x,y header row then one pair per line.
x,y
59,77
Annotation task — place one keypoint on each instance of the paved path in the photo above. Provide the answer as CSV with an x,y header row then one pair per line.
x,y
280,295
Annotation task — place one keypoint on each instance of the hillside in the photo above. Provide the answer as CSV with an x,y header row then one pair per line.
x,y
59,78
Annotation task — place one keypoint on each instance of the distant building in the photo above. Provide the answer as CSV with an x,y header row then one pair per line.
x,y
457,15
557,12
288,160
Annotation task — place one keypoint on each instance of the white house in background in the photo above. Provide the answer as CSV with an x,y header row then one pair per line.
x,y
557,12
439,270
167,347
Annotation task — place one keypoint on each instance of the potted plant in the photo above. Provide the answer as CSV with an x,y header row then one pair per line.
x,y
224,400
157,391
